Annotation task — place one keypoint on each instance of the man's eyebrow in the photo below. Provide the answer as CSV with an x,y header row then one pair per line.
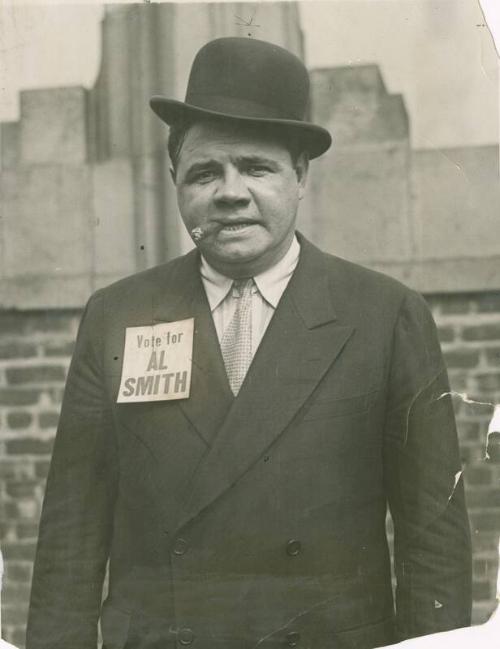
x,y
243,161
257,159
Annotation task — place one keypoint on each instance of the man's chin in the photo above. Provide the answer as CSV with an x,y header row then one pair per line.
x,y
236,248
235,260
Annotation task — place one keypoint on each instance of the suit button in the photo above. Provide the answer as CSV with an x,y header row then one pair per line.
x,y
185,636
293,547
180,547
292,638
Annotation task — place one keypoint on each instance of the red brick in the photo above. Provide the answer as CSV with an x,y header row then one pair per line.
x,y
482,332
31,322
5,529
19,551
19,419
50,321
24,489
488,382
470,455
15,615
17,350
481,590
27,531
20,572
12,322
462,358
484,541
455,304
42,468
469,430
478,475
29,446
485,522
446,334
493,356
35,374
59,349
16,593
18,397
16,509
488,302
14,468
48,419
484,499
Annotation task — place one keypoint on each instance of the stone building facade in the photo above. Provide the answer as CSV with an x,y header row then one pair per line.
x,y
86,199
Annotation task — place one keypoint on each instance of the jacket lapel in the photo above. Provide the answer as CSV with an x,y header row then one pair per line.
x,y
211,395
302,341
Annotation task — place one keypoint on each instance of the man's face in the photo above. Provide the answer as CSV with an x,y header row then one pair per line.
x,y
244,188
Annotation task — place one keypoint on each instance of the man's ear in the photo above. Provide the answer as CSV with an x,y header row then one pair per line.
x,y
172,174
301,169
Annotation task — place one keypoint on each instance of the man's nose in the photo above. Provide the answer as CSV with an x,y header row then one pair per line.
x,y
232,188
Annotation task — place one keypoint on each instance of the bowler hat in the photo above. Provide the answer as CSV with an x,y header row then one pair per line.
x,y
250,80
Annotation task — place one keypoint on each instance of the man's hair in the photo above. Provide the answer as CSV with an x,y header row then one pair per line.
x,y
287,137
176,136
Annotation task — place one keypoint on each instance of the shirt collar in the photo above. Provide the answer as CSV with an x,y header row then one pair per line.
x,y
270,284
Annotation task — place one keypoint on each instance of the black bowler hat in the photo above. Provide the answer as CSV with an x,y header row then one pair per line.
x,y
249,80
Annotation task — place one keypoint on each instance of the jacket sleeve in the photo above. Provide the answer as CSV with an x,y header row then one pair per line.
x,y
76,523
424,482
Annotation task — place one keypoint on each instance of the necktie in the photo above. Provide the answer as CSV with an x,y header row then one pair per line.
x,y
236,343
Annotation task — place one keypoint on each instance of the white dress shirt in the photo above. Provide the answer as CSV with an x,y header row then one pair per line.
x,y
267,292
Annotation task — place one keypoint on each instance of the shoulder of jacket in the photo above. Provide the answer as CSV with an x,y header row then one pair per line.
x,y
163,275
366,282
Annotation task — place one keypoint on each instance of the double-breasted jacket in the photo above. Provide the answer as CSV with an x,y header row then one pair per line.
x,y
260,520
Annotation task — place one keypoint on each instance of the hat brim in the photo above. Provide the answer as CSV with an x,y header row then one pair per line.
x,y
315,139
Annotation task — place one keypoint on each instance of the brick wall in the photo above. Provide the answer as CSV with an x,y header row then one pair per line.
x,y
35,348
469,327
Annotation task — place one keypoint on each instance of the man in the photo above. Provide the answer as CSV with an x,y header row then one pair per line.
x,y
239,483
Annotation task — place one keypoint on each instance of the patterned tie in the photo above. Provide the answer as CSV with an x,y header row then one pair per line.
x,y
236,343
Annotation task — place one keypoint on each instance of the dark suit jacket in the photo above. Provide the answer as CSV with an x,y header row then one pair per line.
x,y
257,521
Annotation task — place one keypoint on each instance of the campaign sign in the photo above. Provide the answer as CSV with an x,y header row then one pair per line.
x,y
157,362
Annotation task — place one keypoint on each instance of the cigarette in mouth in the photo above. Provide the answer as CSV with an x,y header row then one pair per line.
x,y
200,233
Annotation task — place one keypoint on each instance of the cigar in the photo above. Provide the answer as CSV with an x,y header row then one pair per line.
x,y
199,233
